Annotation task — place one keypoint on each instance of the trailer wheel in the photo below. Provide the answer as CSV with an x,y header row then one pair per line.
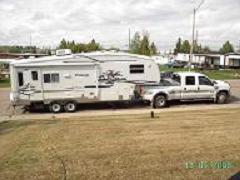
x,y
160,101
70,107
222,98
55,107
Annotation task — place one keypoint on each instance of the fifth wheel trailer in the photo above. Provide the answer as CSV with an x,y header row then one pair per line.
x,y
62,81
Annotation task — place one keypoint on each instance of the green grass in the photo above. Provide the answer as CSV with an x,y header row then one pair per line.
x,y
4,83
213,74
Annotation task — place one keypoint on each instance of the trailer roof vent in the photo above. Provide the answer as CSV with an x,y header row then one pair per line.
x,y
63,52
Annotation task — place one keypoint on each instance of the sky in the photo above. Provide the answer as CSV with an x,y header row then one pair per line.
x,y
108,21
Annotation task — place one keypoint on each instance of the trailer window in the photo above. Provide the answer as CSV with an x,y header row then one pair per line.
x,y
34,75
55,78
46,78
20,79
190,80
137,69
51,78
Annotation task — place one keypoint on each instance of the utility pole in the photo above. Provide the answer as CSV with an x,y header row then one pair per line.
x,y
30,43
197,34
239,47
129,39
193,33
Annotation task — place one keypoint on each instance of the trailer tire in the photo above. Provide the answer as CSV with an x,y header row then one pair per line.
x,y
222,98
160,101
55,107
70,107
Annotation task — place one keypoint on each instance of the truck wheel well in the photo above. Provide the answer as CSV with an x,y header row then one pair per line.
x,y
223,91
162,94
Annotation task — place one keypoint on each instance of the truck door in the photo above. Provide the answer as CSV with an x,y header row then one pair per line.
x,y
190,89
205,88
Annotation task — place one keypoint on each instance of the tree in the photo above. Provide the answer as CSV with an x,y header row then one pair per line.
x,y
227,48
63,44
93,46
144,46
153,49
185,48
206,49
178,46
79,47
135,44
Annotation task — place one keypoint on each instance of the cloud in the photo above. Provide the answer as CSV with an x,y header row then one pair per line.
x,y
108,21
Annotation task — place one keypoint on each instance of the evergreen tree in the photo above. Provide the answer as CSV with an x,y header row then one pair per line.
x,y
135,44
63,44
178,46
227,48
185,48
144,46
153,49
93,46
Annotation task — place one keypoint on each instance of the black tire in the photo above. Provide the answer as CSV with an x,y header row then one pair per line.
x,y
222,98
160,101
55,107
70,107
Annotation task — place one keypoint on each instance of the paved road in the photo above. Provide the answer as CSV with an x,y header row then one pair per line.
x,y
7,113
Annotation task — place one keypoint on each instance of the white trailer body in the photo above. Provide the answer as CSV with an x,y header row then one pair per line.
x,y
80,78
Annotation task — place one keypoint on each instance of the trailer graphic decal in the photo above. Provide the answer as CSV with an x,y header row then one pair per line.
x,y
111,76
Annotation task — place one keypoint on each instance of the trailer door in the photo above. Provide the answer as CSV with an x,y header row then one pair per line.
x,y
35,82
29,83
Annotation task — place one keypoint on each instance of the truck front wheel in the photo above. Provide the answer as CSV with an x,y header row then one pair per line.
x,y
160,101
222,98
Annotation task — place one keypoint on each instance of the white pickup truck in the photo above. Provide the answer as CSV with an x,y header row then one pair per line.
x,y
187,86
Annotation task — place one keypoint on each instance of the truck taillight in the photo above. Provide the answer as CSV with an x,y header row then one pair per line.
x,y
141,90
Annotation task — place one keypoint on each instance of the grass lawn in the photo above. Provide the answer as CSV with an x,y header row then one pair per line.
x,y
4,83
122,147
213,74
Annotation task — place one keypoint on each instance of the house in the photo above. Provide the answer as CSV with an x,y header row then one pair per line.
x,y
231,60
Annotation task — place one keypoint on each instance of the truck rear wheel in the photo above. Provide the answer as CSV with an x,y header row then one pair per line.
x,y
70,107
222,98
160,101
55,107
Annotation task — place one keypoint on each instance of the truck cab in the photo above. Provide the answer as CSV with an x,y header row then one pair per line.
x,y
187,86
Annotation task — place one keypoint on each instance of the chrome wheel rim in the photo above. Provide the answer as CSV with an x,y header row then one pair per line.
x,y
160,101
222,98
56,107
70,107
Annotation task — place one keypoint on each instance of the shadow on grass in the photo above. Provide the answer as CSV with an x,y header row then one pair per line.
x,y
9,126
